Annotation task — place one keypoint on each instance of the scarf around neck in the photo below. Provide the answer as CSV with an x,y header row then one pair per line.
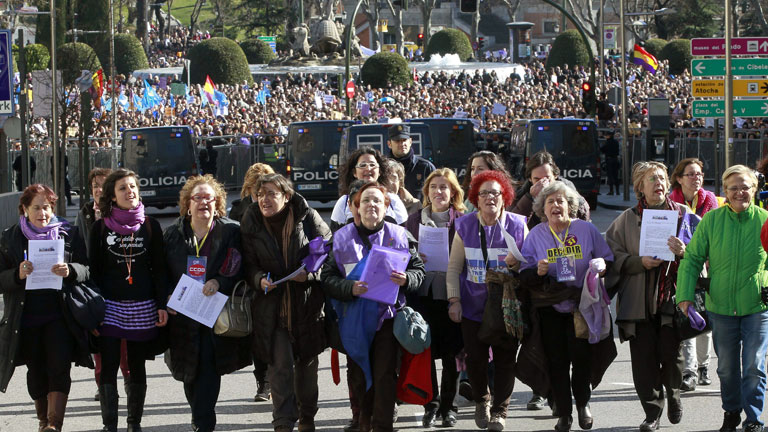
x,y
125,222
48,232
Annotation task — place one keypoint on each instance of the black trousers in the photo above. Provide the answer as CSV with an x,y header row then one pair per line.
x,y
564,350
109,348
259,369
377,405
47,352
657,364
477,368
203,392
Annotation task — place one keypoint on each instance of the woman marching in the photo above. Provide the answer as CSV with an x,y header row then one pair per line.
x,y
201,238
39,330
128,264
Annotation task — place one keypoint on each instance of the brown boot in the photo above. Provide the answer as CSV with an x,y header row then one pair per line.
x,y
41,406
57,404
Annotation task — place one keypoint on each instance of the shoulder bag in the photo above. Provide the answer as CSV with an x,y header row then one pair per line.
x,y
235,319
85,304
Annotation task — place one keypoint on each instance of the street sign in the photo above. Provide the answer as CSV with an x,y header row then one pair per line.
x,y
741,108
739,67
739,46
741,88
271,41
7,107
609,38
351,89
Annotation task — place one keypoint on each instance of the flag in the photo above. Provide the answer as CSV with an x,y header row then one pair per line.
x,y
645,59
106,103
151,98
172,101
97,88
122,100
209,88
222,103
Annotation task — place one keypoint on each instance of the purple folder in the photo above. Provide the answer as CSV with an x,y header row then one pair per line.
x,y
378,267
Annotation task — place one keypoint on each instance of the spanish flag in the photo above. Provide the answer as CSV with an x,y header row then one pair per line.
x,y
209,88
645,59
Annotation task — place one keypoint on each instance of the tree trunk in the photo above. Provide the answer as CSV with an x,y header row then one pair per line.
x,y
399,35
759,15
426,13
141,21
474,32
373,22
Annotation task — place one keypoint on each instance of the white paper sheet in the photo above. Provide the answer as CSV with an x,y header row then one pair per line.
x,y
188,299
656,228
290,276
512,246
43,254
433,243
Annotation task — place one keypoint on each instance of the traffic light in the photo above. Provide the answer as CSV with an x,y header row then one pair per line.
x,y
480,43
468,6
420,39
402,4
588,99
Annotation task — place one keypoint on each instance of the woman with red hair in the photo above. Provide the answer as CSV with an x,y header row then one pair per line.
x,y
479,248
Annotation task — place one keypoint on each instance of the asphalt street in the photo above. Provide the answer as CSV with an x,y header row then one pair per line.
x,y
615,405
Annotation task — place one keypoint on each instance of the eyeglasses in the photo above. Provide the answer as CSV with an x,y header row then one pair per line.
x,y
203,199
737,189
655,178
489,193
694,175
270,194
367,165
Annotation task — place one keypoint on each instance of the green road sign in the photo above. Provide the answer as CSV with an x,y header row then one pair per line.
x,y
739,67
741,108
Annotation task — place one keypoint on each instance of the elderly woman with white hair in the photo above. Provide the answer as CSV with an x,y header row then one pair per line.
x,y
728,238
558,254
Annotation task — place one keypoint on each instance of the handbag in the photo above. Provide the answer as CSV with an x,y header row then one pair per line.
x,y
683,324
85,304
412,331
235,318
493,329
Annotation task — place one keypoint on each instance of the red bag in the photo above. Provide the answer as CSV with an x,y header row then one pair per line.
x,y
414,385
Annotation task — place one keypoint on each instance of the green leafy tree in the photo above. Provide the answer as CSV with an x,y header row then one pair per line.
x,y
449,41
220,58
129,54
654,46
37,56
74,57
261,16
43,28
257,51
385,68
568,49
695,18
678,53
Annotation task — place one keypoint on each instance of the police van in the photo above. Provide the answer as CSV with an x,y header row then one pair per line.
x,y
453,142
573,144
163,158
312,158
376,136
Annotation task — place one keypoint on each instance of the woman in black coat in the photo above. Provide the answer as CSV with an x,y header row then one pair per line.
x,y
288,328
201,235
37,329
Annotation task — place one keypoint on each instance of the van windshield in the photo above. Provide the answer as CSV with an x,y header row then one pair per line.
x,y
455,143
565,138
159,152
315,148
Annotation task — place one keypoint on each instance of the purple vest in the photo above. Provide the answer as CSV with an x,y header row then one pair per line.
x,y
473,288
348,250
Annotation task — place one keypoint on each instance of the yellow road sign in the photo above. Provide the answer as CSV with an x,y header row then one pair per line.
x,y
741,88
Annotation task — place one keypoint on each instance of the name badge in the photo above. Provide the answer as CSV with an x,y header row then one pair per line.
x,y
196,267
566,268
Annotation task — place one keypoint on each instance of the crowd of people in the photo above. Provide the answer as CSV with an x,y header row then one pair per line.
x,y
525,295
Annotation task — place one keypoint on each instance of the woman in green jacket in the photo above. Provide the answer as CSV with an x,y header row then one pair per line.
x,y
729,237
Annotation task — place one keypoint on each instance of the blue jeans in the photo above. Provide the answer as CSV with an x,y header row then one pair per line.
x,y
741,343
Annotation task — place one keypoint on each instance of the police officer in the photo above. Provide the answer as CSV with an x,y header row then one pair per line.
x,y
416,168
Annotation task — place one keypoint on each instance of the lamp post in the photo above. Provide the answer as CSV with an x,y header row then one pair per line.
x,y
728,88
58,172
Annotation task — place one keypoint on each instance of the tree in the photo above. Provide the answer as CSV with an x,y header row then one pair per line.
x,y
37,56
129,54
695,18
678,53
568,49
220,58
43,29
654,46
261,16
385,68
397,15
449,41
74,57
372,15
426,6
257,51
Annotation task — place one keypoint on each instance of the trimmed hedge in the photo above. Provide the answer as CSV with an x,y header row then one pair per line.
x,y
220,58
678,53
449,41
74,57
568,49
129,54
654,46
384,68
257,51
37,56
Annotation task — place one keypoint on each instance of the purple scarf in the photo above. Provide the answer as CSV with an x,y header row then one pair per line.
x,y
125,222
31,232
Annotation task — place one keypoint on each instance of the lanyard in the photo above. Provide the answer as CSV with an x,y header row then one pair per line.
x,y
694,202
128,259
565,237
483,244
202,242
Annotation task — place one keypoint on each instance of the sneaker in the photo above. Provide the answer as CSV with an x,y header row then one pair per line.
x,y
731,420
449,419
689,383
263,392
430,415
536,403
394,414
753,427
97,396
482,414
353,426
497,422
465,390
704,376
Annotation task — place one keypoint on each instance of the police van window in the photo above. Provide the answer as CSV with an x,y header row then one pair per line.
x,y
305,143
581,140
373,141
416,143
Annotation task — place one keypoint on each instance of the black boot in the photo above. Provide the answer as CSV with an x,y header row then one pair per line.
x,y
136,396
41,407
108,400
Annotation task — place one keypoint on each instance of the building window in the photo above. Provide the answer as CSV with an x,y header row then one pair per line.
x,y
551,27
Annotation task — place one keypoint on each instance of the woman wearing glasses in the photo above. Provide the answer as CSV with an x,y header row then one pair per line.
x,y
365,164
646,293
205,246
687,188
288,325
479,246
728,238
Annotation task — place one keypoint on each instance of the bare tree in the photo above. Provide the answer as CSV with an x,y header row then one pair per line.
x,y
397,15
426,7
759,15
511,5
371,12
